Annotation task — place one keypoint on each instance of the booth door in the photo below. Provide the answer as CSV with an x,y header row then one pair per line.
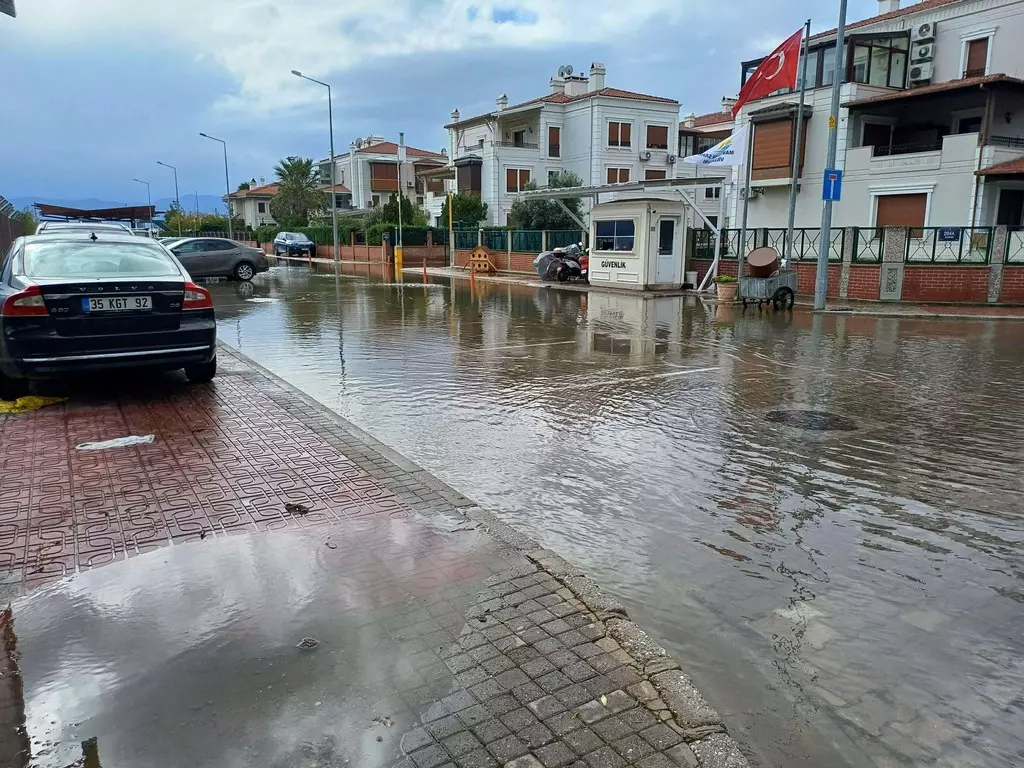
x,y
665,254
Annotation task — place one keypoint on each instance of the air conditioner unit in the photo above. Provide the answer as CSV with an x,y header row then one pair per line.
x,y
671,159
921,73
925,52
410,184
754,192
923,32
645,154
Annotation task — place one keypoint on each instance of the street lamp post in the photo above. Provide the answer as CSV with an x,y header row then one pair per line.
x,y
149,203
227,179
177,200
330,124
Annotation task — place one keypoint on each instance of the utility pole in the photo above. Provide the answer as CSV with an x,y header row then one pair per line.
x,y
177,200
227,181
824,239
398,246
330,124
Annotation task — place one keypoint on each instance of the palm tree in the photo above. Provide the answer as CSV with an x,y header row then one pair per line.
x,y
298,193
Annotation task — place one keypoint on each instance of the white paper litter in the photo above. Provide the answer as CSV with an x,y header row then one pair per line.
x,y
117,442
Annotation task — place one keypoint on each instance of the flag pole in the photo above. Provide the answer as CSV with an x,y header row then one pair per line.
x,y
797,150
749,150
825,238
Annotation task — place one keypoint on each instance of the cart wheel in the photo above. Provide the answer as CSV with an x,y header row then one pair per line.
x,y
783,298
744,303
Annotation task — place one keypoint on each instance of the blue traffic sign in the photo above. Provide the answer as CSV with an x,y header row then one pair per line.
x,y
833,186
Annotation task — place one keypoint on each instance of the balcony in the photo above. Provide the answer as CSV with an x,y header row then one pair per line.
x,y
955,152
516,145
906,149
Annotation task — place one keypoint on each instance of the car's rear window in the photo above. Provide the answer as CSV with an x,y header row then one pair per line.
x,y
86,259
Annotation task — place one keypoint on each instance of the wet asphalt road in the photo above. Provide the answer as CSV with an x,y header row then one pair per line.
x,y
843,597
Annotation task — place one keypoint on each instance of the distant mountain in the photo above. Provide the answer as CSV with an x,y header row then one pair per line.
x,y
207,203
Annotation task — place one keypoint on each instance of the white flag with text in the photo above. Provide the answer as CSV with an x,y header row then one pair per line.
x,y
728,152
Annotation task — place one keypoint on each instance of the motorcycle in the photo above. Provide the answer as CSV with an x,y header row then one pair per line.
x,y
563,264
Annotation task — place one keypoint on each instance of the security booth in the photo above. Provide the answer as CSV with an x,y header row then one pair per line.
x,y
637,244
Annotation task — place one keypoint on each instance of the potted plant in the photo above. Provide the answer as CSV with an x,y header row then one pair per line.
x,y
726,287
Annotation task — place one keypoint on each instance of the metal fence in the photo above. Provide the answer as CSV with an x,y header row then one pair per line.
x,y
560,238
805,243
466,239
518,240
949,245
495,239
867,245
1014,246
527,241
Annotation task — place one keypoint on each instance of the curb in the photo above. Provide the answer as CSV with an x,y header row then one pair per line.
x,y
703,730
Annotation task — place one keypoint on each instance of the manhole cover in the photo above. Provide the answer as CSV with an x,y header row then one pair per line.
x,y
820,421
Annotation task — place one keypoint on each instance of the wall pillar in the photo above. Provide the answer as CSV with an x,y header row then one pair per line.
x,y
995,264
894,253
844,276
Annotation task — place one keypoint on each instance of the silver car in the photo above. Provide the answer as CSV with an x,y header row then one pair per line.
x,y
218,257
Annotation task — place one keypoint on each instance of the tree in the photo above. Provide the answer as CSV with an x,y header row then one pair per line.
x,y
298,194
245,185
27,219
547,214
467,210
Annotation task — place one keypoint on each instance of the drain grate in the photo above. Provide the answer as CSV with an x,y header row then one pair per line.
x,y
818,421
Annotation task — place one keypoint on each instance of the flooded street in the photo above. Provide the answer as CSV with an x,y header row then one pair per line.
x,y
848,596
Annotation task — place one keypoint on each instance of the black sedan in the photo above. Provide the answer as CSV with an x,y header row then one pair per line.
x,y
74,302
293,244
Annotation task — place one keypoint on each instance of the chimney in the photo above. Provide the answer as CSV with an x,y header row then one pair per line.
x,y
597,73
689,120
728,102
888,6
263,181
576,85
502,102
455,115
557,85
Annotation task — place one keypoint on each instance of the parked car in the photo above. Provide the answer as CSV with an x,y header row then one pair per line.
x,y
293,244
71,302
49,227
217,257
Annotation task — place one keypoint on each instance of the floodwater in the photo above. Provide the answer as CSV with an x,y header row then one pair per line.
x,y
847,597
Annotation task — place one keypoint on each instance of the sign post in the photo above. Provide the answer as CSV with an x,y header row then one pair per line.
x,y
833,187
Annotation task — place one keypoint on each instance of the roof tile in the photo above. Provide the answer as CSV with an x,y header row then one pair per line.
x,y
925,90
925,5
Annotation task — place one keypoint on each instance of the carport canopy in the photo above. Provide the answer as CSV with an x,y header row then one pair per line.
x,y
131,213
685,188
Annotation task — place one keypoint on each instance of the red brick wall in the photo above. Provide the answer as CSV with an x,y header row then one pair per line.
x,y
703,265
805,275
945,283
864,281
519,262
1013,285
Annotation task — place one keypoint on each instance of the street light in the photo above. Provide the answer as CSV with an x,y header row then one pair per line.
x,y
177,200
330,124
227,180
149,202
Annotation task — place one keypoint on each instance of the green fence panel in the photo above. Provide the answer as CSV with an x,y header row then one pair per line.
x,y
465,239
496,239
560,238
527,240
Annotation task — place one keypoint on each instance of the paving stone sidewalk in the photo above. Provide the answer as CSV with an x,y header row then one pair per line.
x,y
548,671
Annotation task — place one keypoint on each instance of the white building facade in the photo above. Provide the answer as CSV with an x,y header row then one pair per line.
x,y
931,125
604,135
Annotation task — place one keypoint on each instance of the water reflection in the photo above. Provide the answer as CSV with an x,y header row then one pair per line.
x,y
836,592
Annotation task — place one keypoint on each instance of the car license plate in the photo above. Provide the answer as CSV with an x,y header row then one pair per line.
x,y
117,303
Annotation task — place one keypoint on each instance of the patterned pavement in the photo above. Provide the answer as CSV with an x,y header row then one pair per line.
x,y
544,671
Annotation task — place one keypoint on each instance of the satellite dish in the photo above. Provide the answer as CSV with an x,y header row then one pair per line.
x,y
568,69
561,71
359,143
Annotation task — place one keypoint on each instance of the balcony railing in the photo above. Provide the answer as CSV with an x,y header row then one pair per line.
x,y
907,149
1006,141
516,145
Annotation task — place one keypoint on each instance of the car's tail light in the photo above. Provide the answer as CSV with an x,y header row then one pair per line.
x,y
196,297
27,303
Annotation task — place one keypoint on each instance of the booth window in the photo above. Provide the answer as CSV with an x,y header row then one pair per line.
x,y
615,235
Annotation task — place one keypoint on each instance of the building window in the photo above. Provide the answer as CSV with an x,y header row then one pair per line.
x,y
615,235
976,57
554,141
519,138
552,175
618,175
419,200
619,134
879,61
969,124
261,207
712,193
516,179
375,201
340,175
657,137
652,175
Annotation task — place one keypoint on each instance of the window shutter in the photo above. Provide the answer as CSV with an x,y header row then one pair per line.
x,y
624,138
901,210
650,175
613,175
511,177
657,137
772,149
613,134
977,55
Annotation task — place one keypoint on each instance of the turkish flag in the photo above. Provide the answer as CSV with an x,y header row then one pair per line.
x,y
775,73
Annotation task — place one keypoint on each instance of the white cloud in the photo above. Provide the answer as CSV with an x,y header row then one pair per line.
x,y
258,42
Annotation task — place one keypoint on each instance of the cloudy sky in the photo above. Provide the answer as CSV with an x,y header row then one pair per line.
x,y
94,93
